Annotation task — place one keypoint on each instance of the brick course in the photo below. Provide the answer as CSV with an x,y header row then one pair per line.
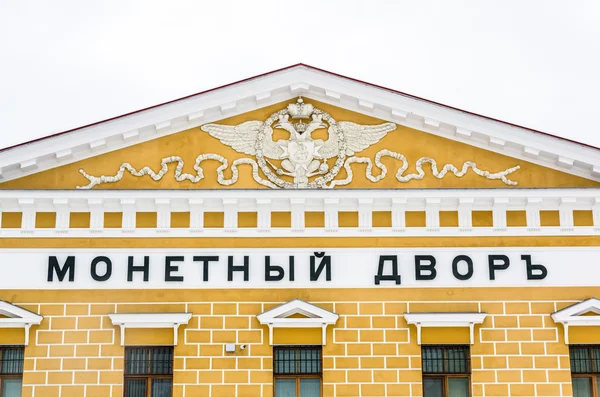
x,y
370,352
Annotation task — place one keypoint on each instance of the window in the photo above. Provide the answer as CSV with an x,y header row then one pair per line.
x,y
446,371
11,371
298,371
585,369
148,371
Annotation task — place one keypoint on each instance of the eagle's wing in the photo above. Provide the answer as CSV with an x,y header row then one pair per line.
x,y
270,148
242,137
330,147
359,137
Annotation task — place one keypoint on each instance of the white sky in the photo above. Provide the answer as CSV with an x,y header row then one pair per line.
x,y
66,63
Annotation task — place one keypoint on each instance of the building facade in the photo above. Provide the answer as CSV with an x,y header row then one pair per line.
x,y
300,234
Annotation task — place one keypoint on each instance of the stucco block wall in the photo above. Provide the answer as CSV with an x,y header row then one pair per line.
x,y
371,351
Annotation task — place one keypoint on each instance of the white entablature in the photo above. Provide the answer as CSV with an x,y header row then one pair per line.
x,y
311,83
297,202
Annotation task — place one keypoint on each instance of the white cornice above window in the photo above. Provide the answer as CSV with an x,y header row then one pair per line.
x,y
445,320
17,317
150,320
313,317
575,315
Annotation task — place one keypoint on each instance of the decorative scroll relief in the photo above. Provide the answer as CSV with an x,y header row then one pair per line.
x,y
302,158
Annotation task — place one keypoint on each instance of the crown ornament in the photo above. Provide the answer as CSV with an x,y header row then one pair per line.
x,y
300,110
300,126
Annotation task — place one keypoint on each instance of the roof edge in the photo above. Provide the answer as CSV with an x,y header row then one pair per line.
x,y
292,67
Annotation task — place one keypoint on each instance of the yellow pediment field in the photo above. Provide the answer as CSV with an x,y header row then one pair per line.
x,y
189,144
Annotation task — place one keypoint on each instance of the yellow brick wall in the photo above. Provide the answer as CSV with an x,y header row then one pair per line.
x,y
371,351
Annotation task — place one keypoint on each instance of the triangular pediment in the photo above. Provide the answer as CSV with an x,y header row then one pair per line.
x,y
298,313
394,141
14,314
585,312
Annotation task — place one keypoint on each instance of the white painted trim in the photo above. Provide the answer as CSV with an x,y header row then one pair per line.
x,y
264,202
284,85
445,320
572,316
316,317
398,195
150,320
17,317
295,233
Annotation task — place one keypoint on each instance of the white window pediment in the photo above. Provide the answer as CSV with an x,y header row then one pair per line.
x,y
150,320
575,315
17,317
445,320
297,314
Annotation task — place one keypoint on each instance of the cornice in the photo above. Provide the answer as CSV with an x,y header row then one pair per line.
x,y
149,320
421,320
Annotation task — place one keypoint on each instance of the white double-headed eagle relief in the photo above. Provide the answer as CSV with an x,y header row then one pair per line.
x,y
300,161
302,157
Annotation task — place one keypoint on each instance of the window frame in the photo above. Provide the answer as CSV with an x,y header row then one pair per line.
x,y
147,376
592,378
12,375
445,375
594,375
298,376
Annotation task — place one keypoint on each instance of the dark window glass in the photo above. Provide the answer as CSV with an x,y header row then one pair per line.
x,y
12,360
298,371
136,387
585,368
11,387
149,371
582,387
446,360
446,371
585,359
11,370
433,387
161,387
297,360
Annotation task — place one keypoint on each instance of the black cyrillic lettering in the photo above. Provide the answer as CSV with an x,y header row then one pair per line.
x,y
244,268
132,268
531,268
468,261
387,277
205,261
493,266
280,272
291,268
172,268
273,268
53,266
94,268
429,267
324,264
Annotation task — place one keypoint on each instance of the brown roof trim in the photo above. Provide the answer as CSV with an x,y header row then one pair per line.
x,y
291,67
